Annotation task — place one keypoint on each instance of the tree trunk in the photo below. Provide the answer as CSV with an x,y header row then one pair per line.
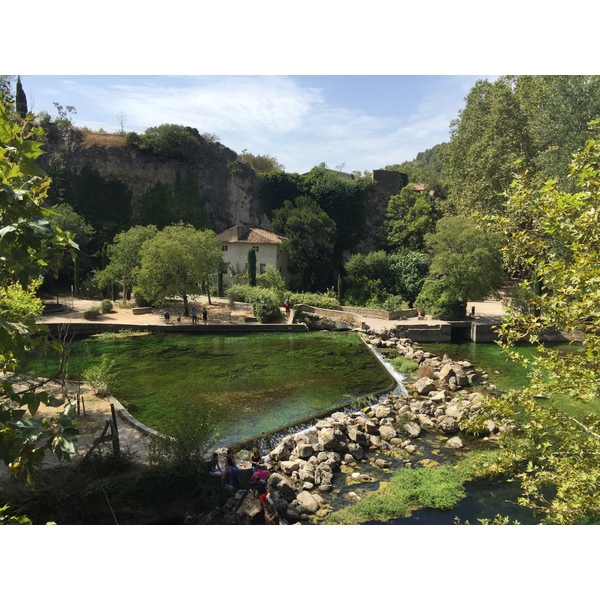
x,y
186,312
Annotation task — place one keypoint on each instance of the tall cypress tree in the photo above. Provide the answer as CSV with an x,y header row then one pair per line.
x,y
252,267
21,99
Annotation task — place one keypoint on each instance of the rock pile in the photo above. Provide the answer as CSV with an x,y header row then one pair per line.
x,y
303,464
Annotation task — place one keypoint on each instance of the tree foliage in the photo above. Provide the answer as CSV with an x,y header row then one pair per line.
x,y
124,256
20,99
252,267
465,265
410,215
552,452
27,243
261,163
169,141
311,236
178,261
489,136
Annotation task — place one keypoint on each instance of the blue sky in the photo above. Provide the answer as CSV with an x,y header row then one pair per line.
x,y
363,122
363,85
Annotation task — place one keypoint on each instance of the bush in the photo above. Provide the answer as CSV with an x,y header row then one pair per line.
x,y
92,314
314,299
184,441
436,301
265,306
404,365
100,377
139,299
106,306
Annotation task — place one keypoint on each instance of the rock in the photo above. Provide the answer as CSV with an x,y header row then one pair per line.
x,y
282,485
304,450
387,432
413,429
287,467
283,449
424,386
333,439
382,412
454,442
352,497
448,424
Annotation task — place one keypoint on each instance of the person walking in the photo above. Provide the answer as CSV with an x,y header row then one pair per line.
x,y
204,315
194,316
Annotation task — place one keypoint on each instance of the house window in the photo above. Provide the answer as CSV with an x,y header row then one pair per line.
x,y
263,267
255,248
224,248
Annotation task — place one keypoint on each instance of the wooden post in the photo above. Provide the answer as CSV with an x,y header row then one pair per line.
x,y
115,440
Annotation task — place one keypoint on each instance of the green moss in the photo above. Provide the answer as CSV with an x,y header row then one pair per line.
x,y
408,490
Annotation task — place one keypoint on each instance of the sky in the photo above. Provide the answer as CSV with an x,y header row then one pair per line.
x,y
355,122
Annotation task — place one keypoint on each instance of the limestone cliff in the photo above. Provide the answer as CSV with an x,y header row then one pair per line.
x,y
226,187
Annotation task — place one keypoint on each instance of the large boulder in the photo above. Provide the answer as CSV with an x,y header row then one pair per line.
x,y
333,439
425,385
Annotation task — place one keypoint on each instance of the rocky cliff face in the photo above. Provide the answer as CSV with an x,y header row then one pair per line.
x,y
227,187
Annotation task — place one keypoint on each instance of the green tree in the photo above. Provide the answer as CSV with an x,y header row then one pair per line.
x,y
343,200
553,451
408,269
170,141
261,163
368,278
489,136
275,188
559,120
66,219
252,267
178,261
21,99
125,258
311,237
466,264
428,167
410,215
27,243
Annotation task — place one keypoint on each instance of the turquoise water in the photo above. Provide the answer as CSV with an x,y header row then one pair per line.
x,y
503,372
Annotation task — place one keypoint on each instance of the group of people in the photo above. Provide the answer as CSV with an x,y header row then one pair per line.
x,y
258,480
167,316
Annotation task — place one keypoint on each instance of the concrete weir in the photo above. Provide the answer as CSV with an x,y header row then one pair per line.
x,y
451,331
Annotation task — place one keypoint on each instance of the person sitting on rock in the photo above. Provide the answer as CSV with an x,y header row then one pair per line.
x,y
214,468
233,471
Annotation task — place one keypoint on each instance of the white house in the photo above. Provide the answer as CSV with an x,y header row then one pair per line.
x,y
269,247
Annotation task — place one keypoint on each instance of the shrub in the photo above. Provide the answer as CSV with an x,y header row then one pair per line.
x,y
100,377
265,306
91,314
314,299
106,306
435,300
184,441
404,365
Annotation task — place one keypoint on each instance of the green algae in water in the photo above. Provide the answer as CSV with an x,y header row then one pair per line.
x,y
253,383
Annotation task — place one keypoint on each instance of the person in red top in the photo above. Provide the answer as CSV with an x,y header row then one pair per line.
x,y
258,481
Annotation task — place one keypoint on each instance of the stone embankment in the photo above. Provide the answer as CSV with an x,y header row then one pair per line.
x,y
304,465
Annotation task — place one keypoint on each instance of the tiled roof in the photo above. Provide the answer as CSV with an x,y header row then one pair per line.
x,y
250,235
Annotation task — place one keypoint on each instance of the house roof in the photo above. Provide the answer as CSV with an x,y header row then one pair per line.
x,y
250,235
